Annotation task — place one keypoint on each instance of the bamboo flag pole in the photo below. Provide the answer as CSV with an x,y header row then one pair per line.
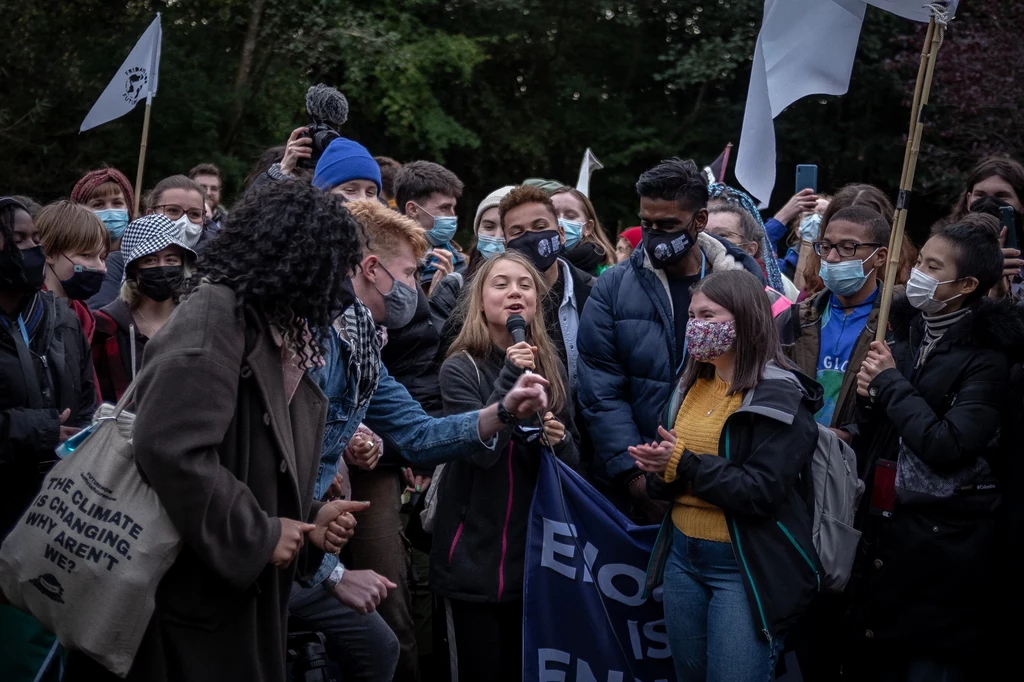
x,y
142,154
941,15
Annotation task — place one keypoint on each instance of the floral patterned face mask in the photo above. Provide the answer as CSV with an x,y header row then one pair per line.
x,y
707,340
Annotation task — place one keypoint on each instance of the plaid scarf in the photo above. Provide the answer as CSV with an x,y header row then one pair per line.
x,y
357,328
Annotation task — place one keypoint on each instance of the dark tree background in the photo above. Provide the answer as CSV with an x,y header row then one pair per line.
x,y
498,90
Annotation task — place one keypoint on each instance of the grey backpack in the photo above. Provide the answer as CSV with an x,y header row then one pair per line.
x,y
837,493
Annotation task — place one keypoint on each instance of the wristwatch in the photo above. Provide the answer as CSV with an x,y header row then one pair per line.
x,y
506,417
334,578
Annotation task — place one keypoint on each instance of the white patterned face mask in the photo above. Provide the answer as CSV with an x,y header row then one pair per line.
x,y
189,232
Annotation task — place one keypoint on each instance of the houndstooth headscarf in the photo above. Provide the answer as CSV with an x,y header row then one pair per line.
x,y
736,196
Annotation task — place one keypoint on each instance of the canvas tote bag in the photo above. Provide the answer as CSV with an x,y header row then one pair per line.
x,y
86,557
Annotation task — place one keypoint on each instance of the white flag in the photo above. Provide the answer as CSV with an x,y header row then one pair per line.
x,y
589,165
134,81
805,47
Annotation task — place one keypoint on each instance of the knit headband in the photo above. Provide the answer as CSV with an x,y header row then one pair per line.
x,y
93,179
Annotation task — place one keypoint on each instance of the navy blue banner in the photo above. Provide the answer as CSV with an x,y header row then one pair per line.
x,y
586,618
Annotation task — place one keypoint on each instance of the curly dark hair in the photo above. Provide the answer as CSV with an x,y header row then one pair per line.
x,y
289,250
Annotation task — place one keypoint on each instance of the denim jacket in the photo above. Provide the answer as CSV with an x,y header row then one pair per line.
x,y
393,415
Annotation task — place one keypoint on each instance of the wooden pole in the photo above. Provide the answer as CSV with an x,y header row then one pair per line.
x,y
922,90
142,155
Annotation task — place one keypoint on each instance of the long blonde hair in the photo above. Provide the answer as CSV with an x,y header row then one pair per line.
x,y
475,338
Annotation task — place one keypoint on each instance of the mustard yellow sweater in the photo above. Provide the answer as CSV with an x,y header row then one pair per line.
x,y
698,427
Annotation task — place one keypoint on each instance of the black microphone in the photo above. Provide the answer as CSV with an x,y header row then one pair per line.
x,y
326,105
516,326
328,109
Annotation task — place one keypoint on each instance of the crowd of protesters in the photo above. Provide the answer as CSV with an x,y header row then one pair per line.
x,y
326,338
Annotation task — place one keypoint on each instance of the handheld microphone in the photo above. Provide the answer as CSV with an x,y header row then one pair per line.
x,y
516,326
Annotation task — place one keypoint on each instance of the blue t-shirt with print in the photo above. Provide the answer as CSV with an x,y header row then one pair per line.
x,y
840,328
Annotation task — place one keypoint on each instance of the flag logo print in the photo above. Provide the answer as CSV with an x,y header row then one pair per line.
x,y
135,80
134,84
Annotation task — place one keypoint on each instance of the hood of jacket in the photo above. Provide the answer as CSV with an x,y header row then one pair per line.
x,y
992,324
121,314
780,392
777,396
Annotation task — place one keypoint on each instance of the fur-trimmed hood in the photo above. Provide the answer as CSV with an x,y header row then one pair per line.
x,y
721,256
992,324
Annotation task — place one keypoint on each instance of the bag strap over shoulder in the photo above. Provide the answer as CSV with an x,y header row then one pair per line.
x,y
478,378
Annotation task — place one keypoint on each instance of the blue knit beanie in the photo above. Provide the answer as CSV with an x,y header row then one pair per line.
x,y
345,160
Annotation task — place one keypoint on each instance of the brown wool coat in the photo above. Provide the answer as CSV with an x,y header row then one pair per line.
x,y
229,457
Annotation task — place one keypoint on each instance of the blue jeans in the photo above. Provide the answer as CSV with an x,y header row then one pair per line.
x,y
710,626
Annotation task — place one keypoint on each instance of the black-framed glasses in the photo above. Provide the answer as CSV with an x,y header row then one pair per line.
x,y
845,249
173,211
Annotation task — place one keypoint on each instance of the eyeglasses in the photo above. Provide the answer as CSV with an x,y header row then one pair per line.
x,y
845,249
173,211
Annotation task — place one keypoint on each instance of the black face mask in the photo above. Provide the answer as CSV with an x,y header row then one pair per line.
x,y
667,248
84,283
160,283
25,277
542,248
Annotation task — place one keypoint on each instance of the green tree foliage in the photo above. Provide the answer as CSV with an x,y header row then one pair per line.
x,y
498,90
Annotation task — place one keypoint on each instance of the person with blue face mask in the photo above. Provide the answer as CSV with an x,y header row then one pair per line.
x,y
586,245
107,193
428,192
828,335
490,241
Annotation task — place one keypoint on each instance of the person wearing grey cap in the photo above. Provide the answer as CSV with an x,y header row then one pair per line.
x,y
157,263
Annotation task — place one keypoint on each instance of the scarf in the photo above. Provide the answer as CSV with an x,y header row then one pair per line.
x,y
587,256
935,326
357,328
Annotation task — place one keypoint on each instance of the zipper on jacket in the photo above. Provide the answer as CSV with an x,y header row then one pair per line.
x,y
743,559
504,530
800,549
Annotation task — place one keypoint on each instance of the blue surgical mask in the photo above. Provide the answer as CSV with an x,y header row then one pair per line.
x,y
847,277
573,233
489,247
115,220
443,230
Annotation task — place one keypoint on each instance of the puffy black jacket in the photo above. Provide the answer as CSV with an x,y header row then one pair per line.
x,y
761,480
443,301
483,504
32,398
924,577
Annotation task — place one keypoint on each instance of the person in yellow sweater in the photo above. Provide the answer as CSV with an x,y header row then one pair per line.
x,y
735,552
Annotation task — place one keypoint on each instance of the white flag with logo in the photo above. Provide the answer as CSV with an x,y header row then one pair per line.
x,y
805,47
589,165
134,81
